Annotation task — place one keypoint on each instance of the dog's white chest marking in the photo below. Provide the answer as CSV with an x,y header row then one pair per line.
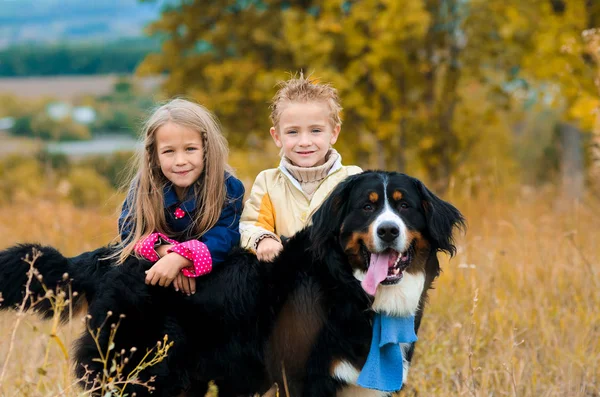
x,y
400,299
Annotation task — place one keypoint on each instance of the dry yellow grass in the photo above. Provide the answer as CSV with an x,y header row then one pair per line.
x,y
514,313
11,144
69,87
73,231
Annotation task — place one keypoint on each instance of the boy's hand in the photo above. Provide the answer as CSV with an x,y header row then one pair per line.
x,y
187,285
166,269
267,249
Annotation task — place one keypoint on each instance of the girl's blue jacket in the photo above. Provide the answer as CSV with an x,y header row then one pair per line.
x,y
223,236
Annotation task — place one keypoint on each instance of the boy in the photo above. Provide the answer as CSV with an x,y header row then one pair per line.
x,y
306,124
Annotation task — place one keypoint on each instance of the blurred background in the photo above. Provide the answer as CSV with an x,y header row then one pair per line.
x,y
458,92
493,103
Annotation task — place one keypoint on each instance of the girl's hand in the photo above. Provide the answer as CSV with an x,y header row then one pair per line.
x,y
187,285
166,269
267,249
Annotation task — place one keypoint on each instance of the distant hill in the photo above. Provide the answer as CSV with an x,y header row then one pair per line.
x,y
60,21
76,58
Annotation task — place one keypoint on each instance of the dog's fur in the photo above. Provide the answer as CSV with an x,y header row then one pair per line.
x,y
305,314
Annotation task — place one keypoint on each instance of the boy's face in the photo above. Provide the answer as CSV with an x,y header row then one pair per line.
x,y
305,133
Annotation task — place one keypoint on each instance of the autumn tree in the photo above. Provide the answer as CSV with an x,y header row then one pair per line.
x,y
226,54
431,87
592,40
395,69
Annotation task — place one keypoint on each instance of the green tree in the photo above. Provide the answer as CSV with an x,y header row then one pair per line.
x,y
120,56
45,127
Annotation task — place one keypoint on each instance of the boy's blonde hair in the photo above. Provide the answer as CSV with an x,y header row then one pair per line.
x,y
304,89
146,199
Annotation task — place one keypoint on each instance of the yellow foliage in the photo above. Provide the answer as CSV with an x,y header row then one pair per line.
x,y
20,178
585,110
402,68
84,187
426,143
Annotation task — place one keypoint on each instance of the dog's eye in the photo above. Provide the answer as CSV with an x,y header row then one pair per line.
x,y
403,205
368,207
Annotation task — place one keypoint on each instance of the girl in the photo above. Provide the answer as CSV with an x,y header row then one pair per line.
x,y
183,206
306,123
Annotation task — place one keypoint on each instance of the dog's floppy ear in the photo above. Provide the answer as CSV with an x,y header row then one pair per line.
x,y
327,220
442,217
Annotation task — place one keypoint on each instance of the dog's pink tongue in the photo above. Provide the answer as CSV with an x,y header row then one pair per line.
x,y
376,273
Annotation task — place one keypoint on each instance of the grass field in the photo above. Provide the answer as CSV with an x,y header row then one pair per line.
x,y
514,313
69,87
11,144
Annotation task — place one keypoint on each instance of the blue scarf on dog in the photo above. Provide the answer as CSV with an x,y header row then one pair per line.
x,y
384,367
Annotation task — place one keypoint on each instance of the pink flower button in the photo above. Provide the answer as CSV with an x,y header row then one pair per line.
x,y
179,213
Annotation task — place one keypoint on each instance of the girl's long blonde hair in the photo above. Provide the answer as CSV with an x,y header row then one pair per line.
x,y
146,198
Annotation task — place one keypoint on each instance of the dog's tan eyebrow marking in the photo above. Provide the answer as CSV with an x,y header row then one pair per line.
x,y
397,195
373,197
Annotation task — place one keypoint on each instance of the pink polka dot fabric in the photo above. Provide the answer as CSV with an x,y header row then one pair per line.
x,y
194,250
198,253
145,247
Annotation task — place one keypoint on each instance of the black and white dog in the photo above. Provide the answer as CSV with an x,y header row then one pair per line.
x,y
304,320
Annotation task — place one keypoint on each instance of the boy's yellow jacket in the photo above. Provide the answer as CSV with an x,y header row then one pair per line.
x,y
278,207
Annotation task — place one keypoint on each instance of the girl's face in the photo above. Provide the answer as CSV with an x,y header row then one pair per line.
x,y
305,133
180,155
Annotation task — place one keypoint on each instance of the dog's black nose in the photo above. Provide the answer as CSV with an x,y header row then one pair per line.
x,y
388,231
